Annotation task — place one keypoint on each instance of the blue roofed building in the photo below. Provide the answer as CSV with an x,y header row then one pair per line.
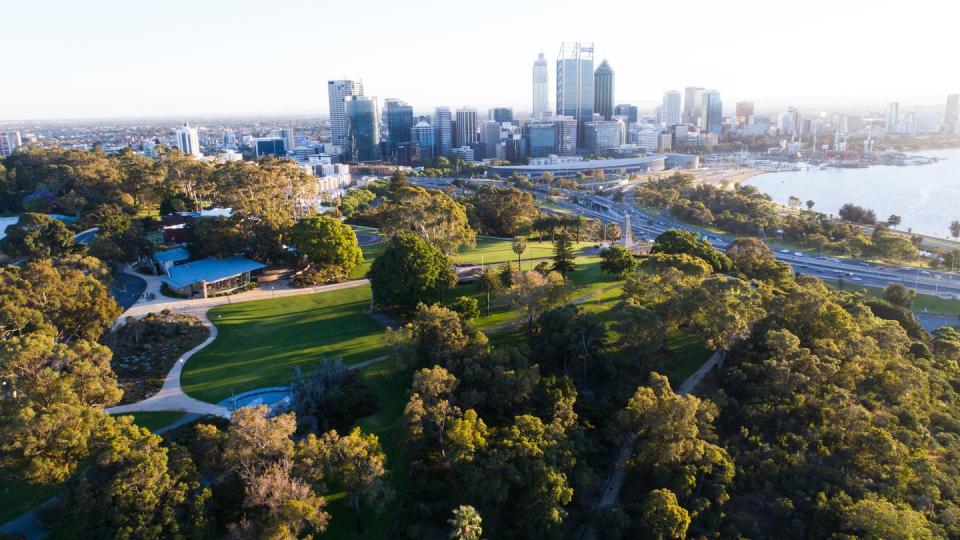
x,y
168,258
210,277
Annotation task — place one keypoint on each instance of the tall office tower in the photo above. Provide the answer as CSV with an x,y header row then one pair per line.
x,y
490,138
567,131
744,113
603,90
892,117
575,83
466,127
601,135
630,111
502,114
337,91
423,135
797,127
541,90
363,128
712,113
952,114
229,138
443,130
541,137
289,140
670,111
692,104
399,122
187,141
9,142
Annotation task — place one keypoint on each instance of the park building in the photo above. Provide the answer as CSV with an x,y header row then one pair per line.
x,y
571,166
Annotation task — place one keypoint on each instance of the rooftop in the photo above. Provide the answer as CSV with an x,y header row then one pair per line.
x,y
172,255
587,165
210,270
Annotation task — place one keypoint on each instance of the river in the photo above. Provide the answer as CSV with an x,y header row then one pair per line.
x,y
926,197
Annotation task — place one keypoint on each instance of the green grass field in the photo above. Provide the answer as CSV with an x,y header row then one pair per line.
x,y
262,343
156,420
924,303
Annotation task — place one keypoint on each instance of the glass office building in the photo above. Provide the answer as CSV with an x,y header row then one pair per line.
x,y
712,112
423,135
541,138
399,120
363,128
575,82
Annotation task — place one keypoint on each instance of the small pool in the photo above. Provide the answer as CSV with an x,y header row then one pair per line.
x,y
276,398
127,288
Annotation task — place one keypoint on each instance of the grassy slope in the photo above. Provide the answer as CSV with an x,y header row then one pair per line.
x,y
261,343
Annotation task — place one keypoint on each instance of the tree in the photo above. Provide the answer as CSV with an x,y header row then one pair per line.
x,y
725,310
409,272
752,257
355,462
467,307
566,334
955,229
37,236
663,517
899,295
893,220
488,283
617,260
110,218
535,293
503,212
810,205
326,241
677,241
255,441
689,265
519,245
793,202
563,258
431,215
430,410
465,524
438,335
216,237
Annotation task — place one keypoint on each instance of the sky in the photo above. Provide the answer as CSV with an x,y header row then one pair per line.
x,y
180,58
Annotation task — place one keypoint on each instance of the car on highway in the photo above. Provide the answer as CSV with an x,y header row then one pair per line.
x,y
787,251
797,254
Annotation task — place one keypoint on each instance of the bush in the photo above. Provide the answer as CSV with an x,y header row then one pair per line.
x,y
333,397
322,276
467,307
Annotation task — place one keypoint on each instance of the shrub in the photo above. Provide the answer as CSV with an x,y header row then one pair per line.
x,y
321,276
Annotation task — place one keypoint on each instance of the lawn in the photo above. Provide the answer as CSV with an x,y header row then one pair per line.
x,y
491,250
19,497
924,303
156,420
264,343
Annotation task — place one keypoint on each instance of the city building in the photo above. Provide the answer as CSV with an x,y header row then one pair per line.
x,y
671,111
601,135
270,146
443,130
712,112
463,152
289,140
9,142
603,81
423,135
951,117
502,115
363,128
575,82
187,141
466,127
627,110
541,138
541,88
744,113
337,92
571,166
892,117
665,142
692,104
490,138
567,130
399,121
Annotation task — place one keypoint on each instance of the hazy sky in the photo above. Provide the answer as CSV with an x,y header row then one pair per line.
x,y
111,58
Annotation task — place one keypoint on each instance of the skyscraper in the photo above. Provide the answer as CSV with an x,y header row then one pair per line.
x,y
490,138
541,136
466,127
187,141
744,113
337,91
892,117
423,135
630,111
363,128
692,104
399,122
712,112
541,90
501,114
670,109
9,142
289,140
575,82
952,114
443,130
603,90
567,131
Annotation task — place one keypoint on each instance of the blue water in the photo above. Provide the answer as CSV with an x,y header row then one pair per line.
x,y
926,197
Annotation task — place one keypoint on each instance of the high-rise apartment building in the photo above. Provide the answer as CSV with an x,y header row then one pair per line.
x,y
289,139
603,80
363,128
712,112
745,113
692,104
338,91
670,110
502,114
399,121
892,117
423,135
9,142
187,141
627,110
951,116
490,138
466,127
575,82
443,130
541,89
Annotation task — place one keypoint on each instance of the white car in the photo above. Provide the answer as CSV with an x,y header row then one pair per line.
x,y
857,278
787,251
797,254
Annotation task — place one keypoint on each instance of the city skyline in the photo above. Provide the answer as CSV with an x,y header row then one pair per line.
x,y
209,59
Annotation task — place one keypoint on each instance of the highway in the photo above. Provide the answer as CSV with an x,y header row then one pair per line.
x,y
645,226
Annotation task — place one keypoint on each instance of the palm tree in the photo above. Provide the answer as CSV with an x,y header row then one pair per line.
x,y
519,246
465,524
